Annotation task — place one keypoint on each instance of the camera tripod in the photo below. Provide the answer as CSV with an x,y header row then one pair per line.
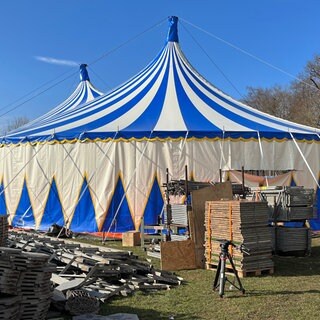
x,y
220,278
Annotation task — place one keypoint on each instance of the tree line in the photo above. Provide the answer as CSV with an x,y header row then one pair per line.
x,y
298,102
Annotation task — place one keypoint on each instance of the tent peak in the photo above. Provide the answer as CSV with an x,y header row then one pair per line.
x,y
173,29
84,73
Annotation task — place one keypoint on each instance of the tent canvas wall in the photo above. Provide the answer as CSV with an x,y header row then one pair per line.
x,y
100,165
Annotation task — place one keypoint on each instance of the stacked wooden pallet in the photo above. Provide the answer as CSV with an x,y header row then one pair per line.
x,y
3,230
26,278
242,222
9,307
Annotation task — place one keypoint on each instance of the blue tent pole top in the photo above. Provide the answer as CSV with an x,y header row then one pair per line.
x,y
173,29
84,73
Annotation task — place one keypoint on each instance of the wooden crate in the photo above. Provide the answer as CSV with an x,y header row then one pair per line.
x,y
131,239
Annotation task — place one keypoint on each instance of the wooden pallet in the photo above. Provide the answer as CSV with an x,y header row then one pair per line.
x,y
255,273
243,273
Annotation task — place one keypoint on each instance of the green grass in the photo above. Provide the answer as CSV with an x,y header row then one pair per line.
x,y
292,292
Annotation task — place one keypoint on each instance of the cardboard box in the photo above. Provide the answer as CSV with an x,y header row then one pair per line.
x,y
131,239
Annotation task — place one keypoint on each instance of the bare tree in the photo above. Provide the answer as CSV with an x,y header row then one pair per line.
x,y
15,124
275,101
300,102
306,95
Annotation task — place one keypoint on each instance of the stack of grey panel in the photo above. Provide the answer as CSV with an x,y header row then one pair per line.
x,y
292,240
297,204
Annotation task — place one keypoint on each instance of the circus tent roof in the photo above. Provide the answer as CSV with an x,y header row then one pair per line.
x,y
167,99
84,93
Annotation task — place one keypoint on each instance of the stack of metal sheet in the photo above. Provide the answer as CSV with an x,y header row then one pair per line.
x,y
296,203
299,196
3,230
292,240
179,225
179,215
242,222
26,278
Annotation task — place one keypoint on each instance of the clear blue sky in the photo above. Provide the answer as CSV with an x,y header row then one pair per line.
x,y
283,33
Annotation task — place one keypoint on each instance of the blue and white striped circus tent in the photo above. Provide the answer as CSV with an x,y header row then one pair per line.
x,y
99,166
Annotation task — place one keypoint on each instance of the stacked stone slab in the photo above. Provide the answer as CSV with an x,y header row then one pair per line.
x,y
25,285
242,222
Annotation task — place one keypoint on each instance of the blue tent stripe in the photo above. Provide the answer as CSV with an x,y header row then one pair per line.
x,y
3,207
154,206
84,93
118,112
194,120
315,223
84,219
136,79
223,111
229,101
151,115
24,217
53,213
123,221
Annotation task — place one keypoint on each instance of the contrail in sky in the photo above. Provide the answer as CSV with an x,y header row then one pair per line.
x,y
57,61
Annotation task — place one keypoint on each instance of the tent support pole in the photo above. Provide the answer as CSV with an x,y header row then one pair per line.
x,y
169,215
243,186
221,154
262,156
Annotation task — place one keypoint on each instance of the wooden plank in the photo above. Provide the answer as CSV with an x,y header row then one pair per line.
x,y
247,224
178,255
197,224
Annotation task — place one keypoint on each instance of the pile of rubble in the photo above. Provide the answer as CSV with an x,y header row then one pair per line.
x,y
86,275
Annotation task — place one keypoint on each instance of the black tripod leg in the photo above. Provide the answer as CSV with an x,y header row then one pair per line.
x,y
216,279
222,277
236,274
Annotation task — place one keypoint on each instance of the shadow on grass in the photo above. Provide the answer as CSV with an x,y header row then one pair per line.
x,y
298,265
145,314
257,293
